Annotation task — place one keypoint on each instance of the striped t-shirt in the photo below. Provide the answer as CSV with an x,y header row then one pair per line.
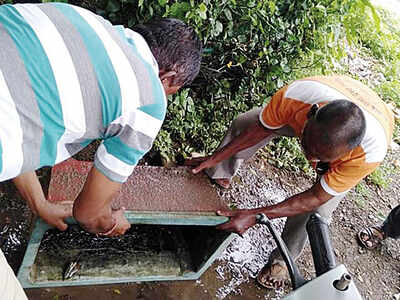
x,y
290,105
68,77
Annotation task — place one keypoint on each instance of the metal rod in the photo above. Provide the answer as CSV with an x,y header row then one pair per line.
x,y
295,276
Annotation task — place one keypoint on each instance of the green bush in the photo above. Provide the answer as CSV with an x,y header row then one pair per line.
x,y
251,49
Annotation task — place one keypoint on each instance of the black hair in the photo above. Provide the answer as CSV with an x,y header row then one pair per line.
x,y
175,46
341,122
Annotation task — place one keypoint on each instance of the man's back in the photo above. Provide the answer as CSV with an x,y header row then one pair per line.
x,y
67,76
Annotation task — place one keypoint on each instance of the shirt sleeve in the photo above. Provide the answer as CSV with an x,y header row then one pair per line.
x,y
281,111
127,139
340,179
273,115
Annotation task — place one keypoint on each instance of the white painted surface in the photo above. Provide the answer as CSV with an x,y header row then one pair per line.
x,y
392,5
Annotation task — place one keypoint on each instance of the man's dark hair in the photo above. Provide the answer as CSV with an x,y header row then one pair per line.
x,y
175,46
341,122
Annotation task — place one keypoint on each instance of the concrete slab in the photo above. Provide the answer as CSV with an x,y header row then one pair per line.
x,y
156,199
147,189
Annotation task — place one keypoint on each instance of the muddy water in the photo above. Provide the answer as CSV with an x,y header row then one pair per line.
x,y
145,250
142,251
15,223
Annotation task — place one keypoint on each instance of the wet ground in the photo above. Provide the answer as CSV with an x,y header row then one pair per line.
x,y
376,272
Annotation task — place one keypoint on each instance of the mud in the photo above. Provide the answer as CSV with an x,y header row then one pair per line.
x,y
145,250
15,224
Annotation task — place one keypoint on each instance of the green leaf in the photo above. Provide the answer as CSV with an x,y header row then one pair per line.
x,y
228,14
218,27
162,2
203,7
375,15
179,9
113,6
202,10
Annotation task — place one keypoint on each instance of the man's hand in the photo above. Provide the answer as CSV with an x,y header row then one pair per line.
x,y
55,214
251,136
92,209
122,224
240,220
200,163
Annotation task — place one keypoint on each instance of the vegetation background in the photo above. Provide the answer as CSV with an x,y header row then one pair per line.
x,y
251,49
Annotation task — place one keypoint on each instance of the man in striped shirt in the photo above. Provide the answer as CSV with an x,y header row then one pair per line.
x,y
68,77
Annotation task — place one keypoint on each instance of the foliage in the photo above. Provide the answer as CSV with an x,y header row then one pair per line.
x,y
383,44
381,176
287,153
362,193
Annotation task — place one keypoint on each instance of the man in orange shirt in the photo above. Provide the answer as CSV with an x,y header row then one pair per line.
x,y
344,128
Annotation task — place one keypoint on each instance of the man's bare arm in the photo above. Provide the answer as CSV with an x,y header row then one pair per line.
x,y
92,208
304,202
29,186
307,201
254,134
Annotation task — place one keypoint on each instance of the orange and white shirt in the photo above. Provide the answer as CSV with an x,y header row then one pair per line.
x,y
289,107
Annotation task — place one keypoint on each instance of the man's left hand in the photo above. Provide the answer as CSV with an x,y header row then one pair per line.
x,y
240,220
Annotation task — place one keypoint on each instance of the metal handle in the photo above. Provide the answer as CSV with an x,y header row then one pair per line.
x,y
320,242
295,276
343,283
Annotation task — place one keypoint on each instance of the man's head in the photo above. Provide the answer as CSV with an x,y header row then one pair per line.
x,y
177,49
333,130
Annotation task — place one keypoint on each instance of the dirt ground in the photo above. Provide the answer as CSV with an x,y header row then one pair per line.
x,y
376,272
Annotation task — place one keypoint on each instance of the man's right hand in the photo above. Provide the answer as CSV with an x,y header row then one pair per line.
x,y
54,214
200,163
239,220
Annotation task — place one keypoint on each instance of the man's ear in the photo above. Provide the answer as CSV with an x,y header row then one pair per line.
x,y
169,75
168,81
313,111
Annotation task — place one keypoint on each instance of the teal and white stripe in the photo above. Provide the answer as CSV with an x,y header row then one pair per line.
x,y
41,78
10,134
83,67
67,77
123,70
64,73
105,74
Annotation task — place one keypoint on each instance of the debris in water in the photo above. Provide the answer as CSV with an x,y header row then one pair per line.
x,y
72,268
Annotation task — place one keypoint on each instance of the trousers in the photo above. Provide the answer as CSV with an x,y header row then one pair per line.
x,y
10,288
391,226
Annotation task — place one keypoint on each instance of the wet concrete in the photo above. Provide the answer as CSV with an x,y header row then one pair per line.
x,y
15,224
147,189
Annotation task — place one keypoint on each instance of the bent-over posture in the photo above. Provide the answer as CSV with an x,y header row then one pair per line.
x,y
344,127
68,77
